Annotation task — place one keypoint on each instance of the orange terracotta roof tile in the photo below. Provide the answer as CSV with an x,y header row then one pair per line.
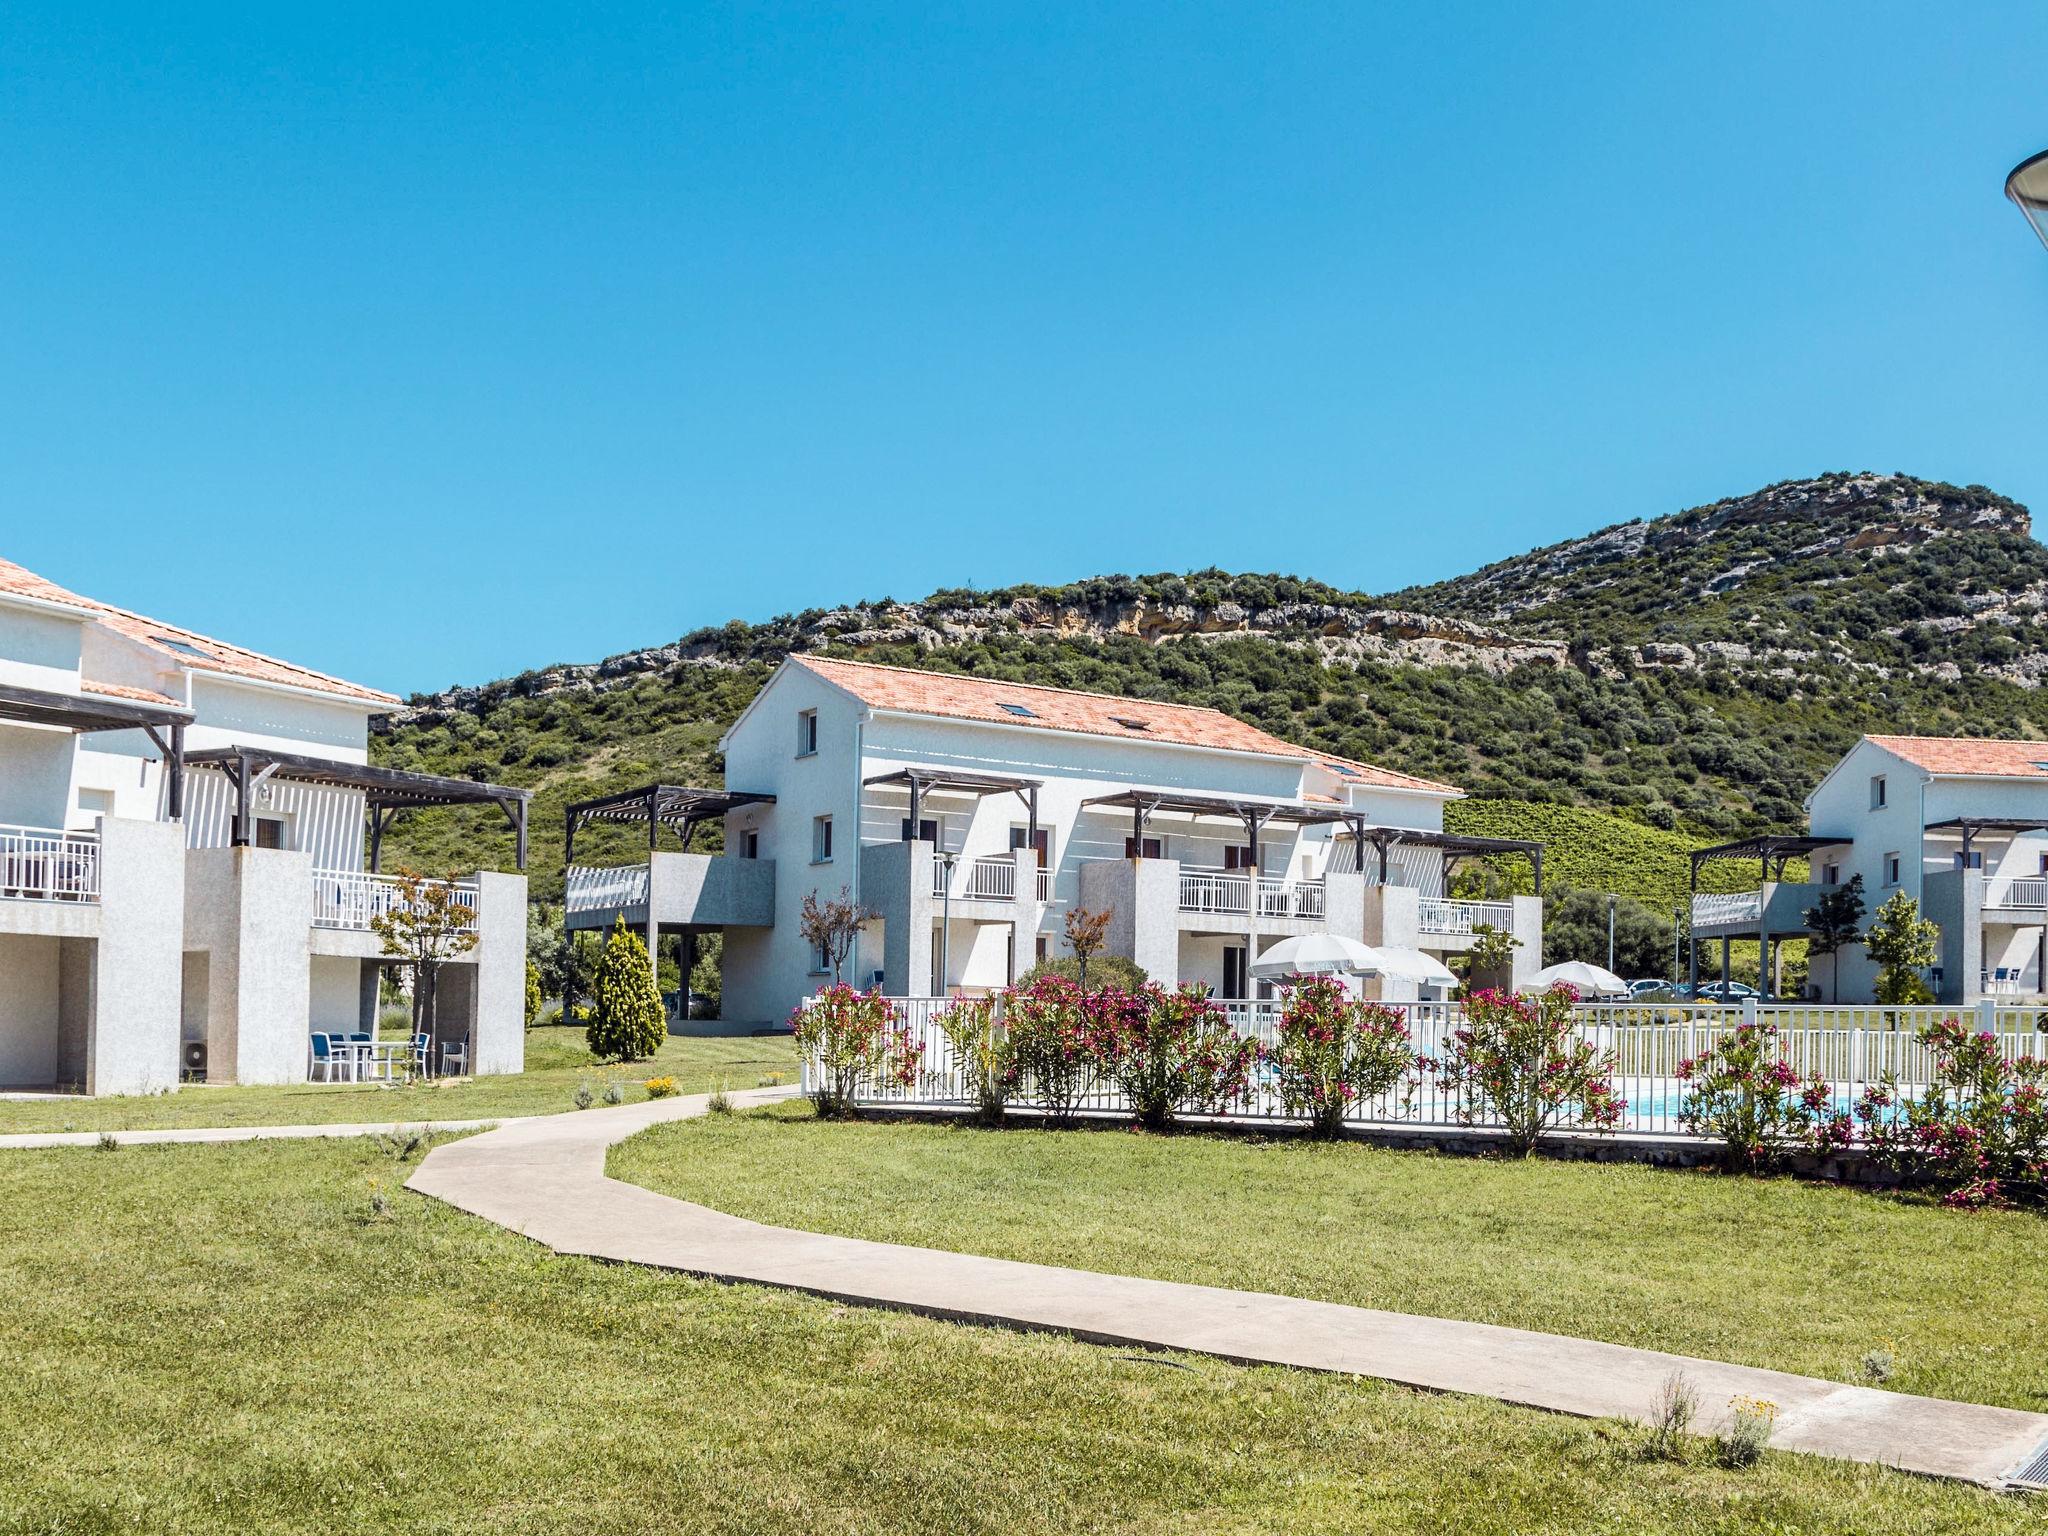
x,y
954,696
123,691
186,647
1971,757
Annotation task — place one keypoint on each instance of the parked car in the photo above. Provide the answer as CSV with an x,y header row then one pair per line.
x,y
1726,992
1646,986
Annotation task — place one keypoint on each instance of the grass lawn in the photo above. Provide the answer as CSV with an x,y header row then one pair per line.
x,y
1799,1277
204,1339
556,1061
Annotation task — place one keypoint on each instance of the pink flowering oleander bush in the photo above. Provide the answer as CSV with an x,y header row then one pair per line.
x,y
853,1040
1334,1051
984,1054
1171,1052
1745,1095
1977,1130
1052,1043
1518,1061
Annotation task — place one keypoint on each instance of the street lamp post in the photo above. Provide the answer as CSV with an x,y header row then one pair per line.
x,y
2027,186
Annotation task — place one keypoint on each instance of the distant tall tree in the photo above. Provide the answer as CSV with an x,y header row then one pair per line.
x,y
1902,942
1833,923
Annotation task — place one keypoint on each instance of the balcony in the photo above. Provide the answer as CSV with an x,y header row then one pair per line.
x,y
590,888
678,890
989,879
1443,915
1240,895
1739,909
38,864
351,899
2030,894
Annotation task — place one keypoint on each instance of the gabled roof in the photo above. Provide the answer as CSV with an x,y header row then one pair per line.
x,y
183,647
953,696
1968,757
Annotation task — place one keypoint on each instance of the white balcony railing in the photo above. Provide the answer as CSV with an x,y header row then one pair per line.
x,y
1445,915
2019,893
989,879
344,898
38,864
1717,909
1233,895
602,888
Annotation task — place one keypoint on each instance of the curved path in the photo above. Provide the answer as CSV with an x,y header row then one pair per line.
x,y
545,1178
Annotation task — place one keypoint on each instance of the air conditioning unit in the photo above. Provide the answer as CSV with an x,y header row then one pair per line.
x,y
194,1065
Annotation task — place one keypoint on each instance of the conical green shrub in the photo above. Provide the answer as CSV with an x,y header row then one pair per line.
x,y
628,1022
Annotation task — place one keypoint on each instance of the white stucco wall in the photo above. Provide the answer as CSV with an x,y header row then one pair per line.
x,y
39,650
326,822
334,984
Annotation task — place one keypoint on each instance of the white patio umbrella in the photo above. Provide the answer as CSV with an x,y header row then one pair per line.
x,y
1318,953
1591,980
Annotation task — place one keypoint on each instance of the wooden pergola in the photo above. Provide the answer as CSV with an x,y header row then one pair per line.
x,y
386,791
83,714
682,808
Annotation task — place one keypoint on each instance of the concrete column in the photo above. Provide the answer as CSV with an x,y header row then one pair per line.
x,y
1024,926
1527,926
1344,906
138,970
896,884
251,910
1142,897
1392,915
497,1040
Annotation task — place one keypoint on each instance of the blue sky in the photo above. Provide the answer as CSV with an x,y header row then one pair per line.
x,y
425,344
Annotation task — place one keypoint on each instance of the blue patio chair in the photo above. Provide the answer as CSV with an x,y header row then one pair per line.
x,y
326,1060
455,1056
423,1055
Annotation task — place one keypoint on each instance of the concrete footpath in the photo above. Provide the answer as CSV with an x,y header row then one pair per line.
x,y
545,1178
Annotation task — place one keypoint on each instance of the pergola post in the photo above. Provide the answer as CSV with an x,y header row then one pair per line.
x,y
916,809
175,789
1692,938
1725,941
242,788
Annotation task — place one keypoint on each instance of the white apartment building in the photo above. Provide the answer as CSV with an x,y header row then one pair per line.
x,y
1958,824
970,816
190,841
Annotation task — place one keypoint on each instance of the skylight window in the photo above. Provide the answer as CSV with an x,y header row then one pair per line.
x,y
1343,768
182,647
1130,724
1019,710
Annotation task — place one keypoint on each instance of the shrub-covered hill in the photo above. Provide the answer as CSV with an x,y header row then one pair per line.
x,y
1691,674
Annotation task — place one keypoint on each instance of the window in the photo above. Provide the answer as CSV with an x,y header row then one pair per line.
x,y
821,963
1831,874
269,832
821,839
1018,710
1974,859
1238,858
1877,801
750,844
96,802
182,647
1042,950
1040,841
927,830
807,733
1891,869
1131,724
1153,849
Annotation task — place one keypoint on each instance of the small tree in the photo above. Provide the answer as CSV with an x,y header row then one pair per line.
x,y
627,1021
1742,1093
1519,1061
1492,950
984,1054
1049,1033
424,928
1168,1051
1834,923
533,1002
1335,1051
832,927
853,1040
1086,931
1902,942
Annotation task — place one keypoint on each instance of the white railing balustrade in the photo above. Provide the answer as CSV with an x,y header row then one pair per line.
x,y
1044,883
2029,892
40,864
1234,895
1443,914
345,898
595,888
1714,909
1850,1047
992,880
